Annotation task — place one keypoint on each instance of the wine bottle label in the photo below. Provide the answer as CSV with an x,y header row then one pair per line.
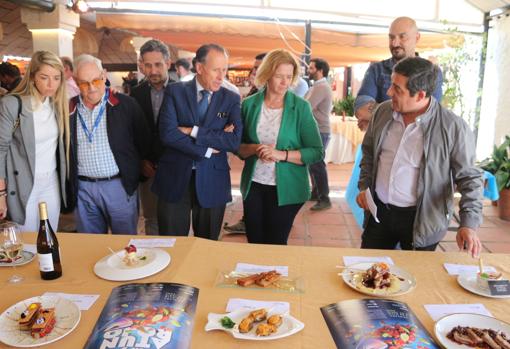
x,y
45,262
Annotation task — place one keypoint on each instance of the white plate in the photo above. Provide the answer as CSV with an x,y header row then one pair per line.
x,y
353,272
289,326
67,317
113,268
27,257
468,281
445,325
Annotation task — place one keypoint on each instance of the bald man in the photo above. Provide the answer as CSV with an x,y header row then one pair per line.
x,y
403,36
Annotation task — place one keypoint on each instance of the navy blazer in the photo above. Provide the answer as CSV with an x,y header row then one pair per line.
x,y
212,175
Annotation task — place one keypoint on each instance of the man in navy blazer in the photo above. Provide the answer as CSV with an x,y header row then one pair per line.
x,y
199,122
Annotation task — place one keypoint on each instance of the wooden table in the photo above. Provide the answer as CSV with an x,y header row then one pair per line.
x,y
197,262
345,137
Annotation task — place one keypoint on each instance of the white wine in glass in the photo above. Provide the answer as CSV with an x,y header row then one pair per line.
x,y
11,245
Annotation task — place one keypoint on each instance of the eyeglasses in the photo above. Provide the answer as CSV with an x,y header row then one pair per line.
x,y
85,85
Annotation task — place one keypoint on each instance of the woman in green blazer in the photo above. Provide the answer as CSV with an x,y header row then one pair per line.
x,y
280,138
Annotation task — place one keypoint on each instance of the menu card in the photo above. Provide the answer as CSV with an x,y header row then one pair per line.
x,y
151,243
350,260
437,311
148,316
499,287
375,323
83,301
457,269
277,307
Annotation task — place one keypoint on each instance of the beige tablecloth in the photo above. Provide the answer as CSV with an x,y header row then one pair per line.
x,y
345,137
197,262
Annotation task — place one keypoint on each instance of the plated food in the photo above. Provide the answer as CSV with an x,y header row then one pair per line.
x,y
261,279
478,284
131,256
38,321
482,279
464,331
271,280
378,279
23,258
258,324
132,263
479,338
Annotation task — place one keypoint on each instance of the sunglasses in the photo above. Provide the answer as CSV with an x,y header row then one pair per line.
x,y
85,85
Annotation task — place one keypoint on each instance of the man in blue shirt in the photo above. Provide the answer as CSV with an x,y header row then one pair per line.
x,y
403,36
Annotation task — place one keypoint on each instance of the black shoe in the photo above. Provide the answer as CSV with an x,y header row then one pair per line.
x,y
238,228
321,205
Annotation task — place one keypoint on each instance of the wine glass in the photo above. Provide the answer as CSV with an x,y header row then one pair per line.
x,y
11,245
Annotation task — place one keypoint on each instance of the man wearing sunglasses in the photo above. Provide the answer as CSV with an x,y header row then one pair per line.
x,y
105,153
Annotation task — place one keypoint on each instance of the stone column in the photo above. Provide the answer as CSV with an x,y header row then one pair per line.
x,y
52,31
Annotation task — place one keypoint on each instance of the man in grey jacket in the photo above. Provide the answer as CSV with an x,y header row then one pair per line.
x,y
415,151
320,97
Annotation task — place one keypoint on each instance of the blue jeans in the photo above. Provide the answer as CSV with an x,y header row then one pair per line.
x,y
106,204
319,174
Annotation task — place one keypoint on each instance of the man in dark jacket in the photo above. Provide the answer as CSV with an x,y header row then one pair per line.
x,y
154,63
108,137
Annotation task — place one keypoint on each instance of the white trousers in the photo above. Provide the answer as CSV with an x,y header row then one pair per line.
x,y
46,188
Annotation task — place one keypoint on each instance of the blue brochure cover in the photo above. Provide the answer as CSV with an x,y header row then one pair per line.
x,y
148,316
376,324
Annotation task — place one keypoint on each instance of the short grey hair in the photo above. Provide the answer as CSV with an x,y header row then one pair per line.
x,y
85,58
157,46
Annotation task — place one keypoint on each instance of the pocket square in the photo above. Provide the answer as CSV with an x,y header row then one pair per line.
x,y
222,114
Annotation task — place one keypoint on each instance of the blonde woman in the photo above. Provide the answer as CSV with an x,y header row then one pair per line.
x,y
280,138
32,152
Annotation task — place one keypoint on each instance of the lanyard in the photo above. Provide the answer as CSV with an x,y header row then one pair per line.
x,y
90,134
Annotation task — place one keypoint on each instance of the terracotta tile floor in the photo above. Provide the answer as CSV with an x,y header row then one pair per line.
x,y
336,227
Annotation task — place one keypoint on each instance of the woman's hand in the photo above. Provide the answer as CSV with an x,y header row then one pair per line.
x,y
268,153
3,207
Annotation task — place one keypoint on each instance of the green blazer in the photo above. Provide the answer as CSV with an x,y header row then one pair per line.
x,y
298,131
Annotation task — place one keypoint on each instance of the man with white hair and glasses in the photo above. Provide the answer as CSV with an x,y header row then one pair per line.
x,y
108,138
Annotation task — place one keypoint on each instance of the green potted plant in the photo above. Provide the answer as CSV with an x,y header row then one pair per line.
x,y
344,106
499,165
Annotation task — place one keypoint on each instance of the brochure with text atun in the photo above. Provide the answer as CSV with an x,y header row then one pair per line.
x,y
376,324
148,316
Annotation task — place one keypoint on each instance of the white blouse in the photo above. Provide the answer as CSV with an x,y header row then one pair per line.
x,y
46,136
267,133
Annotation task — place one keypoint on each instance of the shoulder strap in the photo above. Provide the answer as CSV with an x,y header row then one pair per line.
x,y
17,122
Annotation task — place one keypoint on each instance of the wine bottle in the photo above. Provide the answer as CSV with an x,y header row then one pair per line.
x,y
48,250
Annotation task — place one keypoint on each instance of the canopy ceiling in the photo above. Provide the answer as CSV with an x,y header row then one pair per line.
x,y
246,39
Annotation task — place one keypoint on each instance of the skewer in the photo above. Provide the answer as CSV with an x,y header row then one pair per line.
x,y
480,264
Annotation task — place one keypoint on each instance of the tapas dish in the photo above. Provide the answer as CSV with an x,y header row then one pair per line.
x,y
464,331
38,321
378,279
258,324
24,258
132,263
478,284
271,280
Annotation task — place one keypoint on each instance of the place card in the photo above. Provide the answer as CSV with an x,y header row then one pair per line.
x,y
152,243
499,287
457,269
350,260
274,307
254,268
83,301
437,311
371,205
